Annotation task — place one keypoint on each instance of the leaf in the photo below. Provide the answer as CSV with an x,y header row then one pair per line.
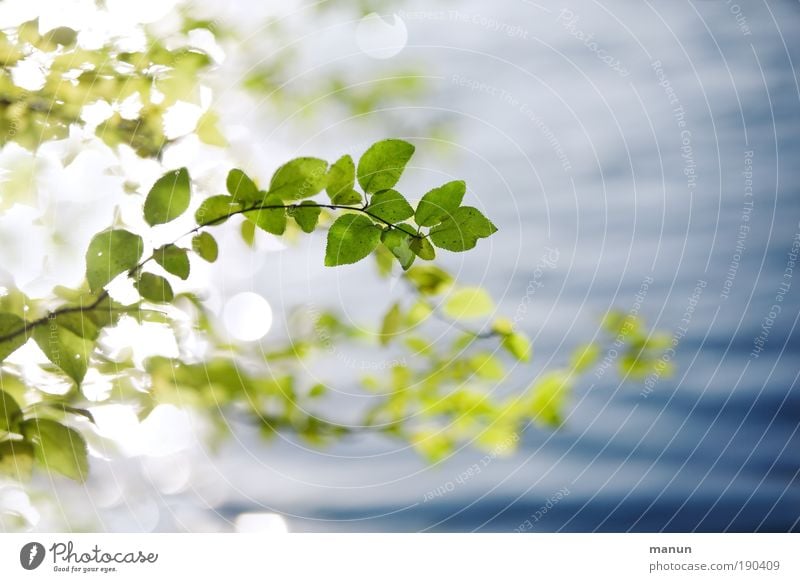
x,y
461,231
57,447
382,164
16,459
486,366
351,238
69,352
155,288
341,179
518,345
391,324
241,187
9,324
299,178
10,413
429,279
248,232
399,243
174,260
548,399
206,247
306,215
216,210
390,206
584,357
440,203
208,130
272,220
423,248
168,198
350,198
468,302
110,253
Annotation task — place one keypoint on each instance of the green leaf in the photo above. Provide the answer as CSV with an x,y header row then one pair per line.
x,y
300,178
241,187
110,253
306,215
174,260
168,198
391,324
549,396
208,130
423,248
440,203
16,459
399,243
429,279
469,302
67,351
518,345
351,238
461,231
349,198
216,210
584,357
9,324
382,164
272,220
341,179
155,288
248,232
486,366
10,413
57,447
390,206
206,247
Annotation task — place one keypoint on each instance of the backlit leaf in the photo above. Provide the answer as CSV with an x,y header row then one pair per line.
x,y
168,198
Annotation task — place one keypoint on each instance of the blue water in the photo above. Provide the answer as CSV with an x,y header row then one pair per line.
x,y
601,178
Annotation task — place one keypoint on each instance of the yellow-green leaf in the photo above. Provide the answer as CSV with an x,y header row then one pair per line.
x,y
469,302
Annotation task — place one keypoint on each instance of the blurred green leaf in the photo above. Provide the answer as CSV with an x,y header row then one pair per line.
x,y
469,302
16,459
10,324
518,345
10,413
391,324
